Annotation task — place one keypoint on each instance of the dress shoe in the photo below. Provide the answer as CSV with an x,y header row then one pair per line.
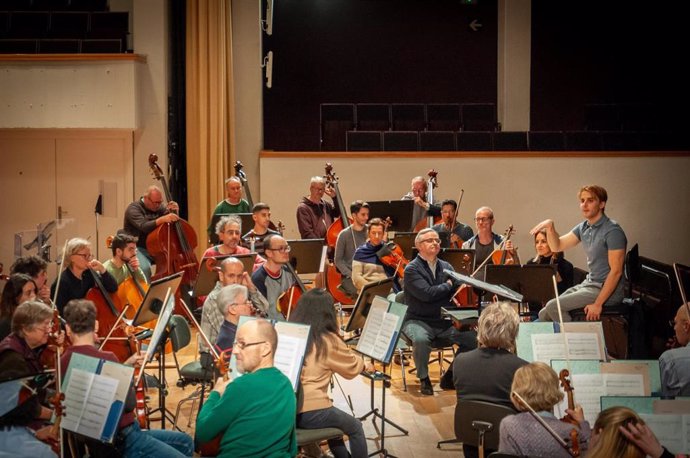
x,y
446,382
426,388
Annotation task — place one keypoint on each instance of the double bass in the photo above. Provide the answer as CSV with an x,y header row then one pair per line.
x,y
333,277
172,244
431,185
239,173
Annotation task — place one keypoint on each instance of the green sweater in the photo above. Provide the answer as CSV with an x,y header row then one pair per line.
x,y
256,416
224,207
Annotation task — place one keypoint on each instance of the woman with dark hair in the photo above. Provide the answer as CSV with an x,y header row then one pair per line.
x,y
327,354
18,289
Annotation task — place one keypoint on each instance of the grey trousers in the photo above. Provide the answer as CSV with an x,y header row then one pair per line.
x,y
577,297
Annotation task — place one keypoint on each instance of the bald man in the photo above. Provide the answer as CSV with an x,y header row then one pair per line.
x,y
145,215
674,364
263,423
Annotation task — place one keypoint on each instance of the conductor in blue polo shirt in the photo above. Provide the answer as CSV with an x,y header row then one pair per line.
x,y
604,243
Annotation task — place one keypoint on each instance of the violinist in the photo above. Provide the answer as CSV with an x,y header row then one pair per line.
x,y
315,215
18,289
461,231
143,216
366,265
255,413
78,277
619,432
546,256
37,268
233,202
274,278
418,193
427,290
604,242
231,272
485,241
522,434
255,239
674,363
20,356
124,248
233,302
349,239
80,316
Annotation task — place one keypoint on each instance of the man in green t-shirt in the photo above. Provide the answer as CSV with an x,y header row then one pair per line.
x,y
233,203
254,414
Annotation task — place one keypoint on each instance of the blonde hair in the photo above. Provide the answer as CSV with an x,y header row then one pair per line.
x,y
537,384
72,247
498,326
610,442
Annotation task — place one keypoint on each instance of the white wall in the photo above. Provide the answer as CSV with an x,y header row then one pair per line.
x,y
648,196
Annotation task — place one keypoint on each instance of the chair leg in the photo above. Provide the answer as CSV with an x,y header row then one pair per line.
x,y
448,441
402,368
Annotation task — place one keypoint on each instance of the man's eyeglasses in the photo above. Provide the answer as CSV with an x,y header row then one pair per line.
x,y
431,241
248,303
243,345
483,219
282,249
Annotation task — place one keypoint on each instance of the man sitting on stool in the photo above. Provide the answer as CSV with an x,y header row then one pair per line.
x,y
427,289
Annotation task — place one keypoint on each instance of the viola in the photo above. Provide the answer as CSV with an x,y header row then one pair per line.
x,y
501,256
172,244
288,300
563,376
431,185
333,276
391,255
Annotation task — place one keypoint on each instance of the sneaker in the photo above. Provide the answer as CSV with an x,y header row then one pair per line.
x,y
426,388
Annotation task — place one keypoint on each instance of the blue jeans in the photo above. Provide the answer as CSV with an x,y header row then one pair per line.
x,y
155,443
18,442
578,297
333,417
424,336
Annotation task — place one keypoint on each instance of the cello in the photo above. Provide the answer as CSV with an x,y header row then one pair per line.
x,y
429,220
333,276
172,244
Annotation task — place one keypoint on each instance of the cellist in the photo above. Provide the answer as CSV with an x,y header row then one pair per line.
x,y
80,316
143,216
124,248
78,277
349,239
315,215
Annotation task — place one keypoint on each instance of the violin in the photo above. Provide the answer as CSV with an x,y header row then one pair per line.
x,y
172,244
429,220
333,276
563,376
288,300
391,254
58,397
141,409
501,256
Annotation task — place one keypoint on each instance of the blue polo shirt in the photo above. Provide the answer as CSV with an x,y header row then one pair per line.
x,y
598,239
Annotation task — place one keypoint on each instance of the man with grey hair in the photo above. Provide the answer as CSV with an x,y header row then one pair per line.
x,y
229,231
486,373
233,202
231,273
674,364
418,193
145,215
315,215
428,289
233,302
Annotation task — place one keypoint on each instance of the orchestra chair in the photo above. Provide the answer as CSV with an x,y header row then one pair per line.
x,y
477,424
312,437
404,350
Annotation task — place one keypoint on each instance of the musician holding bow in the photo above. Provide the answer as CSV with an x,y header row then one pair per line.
x,y
460,231
143,216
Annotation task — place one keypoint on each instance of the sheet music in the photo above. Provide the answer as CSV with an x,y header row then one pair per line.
x,y
589,388
88,399
378,335
671,430
162,322
546,347
292,344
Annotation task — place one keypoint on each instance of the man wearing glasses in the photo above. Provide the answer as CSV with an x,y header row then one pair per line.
x,y
143,216
485,241
273,278
233,302
674,364
255,413
427,290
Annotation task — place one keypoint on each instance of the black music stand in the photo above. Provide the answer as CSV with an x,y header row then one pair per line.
x,y
533,281
152,303
405,240
208,276
306,256
683,279
461,260
247,222
499,290
399,211
366,296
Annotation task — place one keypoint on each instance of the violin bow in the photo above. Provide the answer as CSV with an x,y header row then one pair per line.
x,y
541,421
62,263
560,322
120,319
457,210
